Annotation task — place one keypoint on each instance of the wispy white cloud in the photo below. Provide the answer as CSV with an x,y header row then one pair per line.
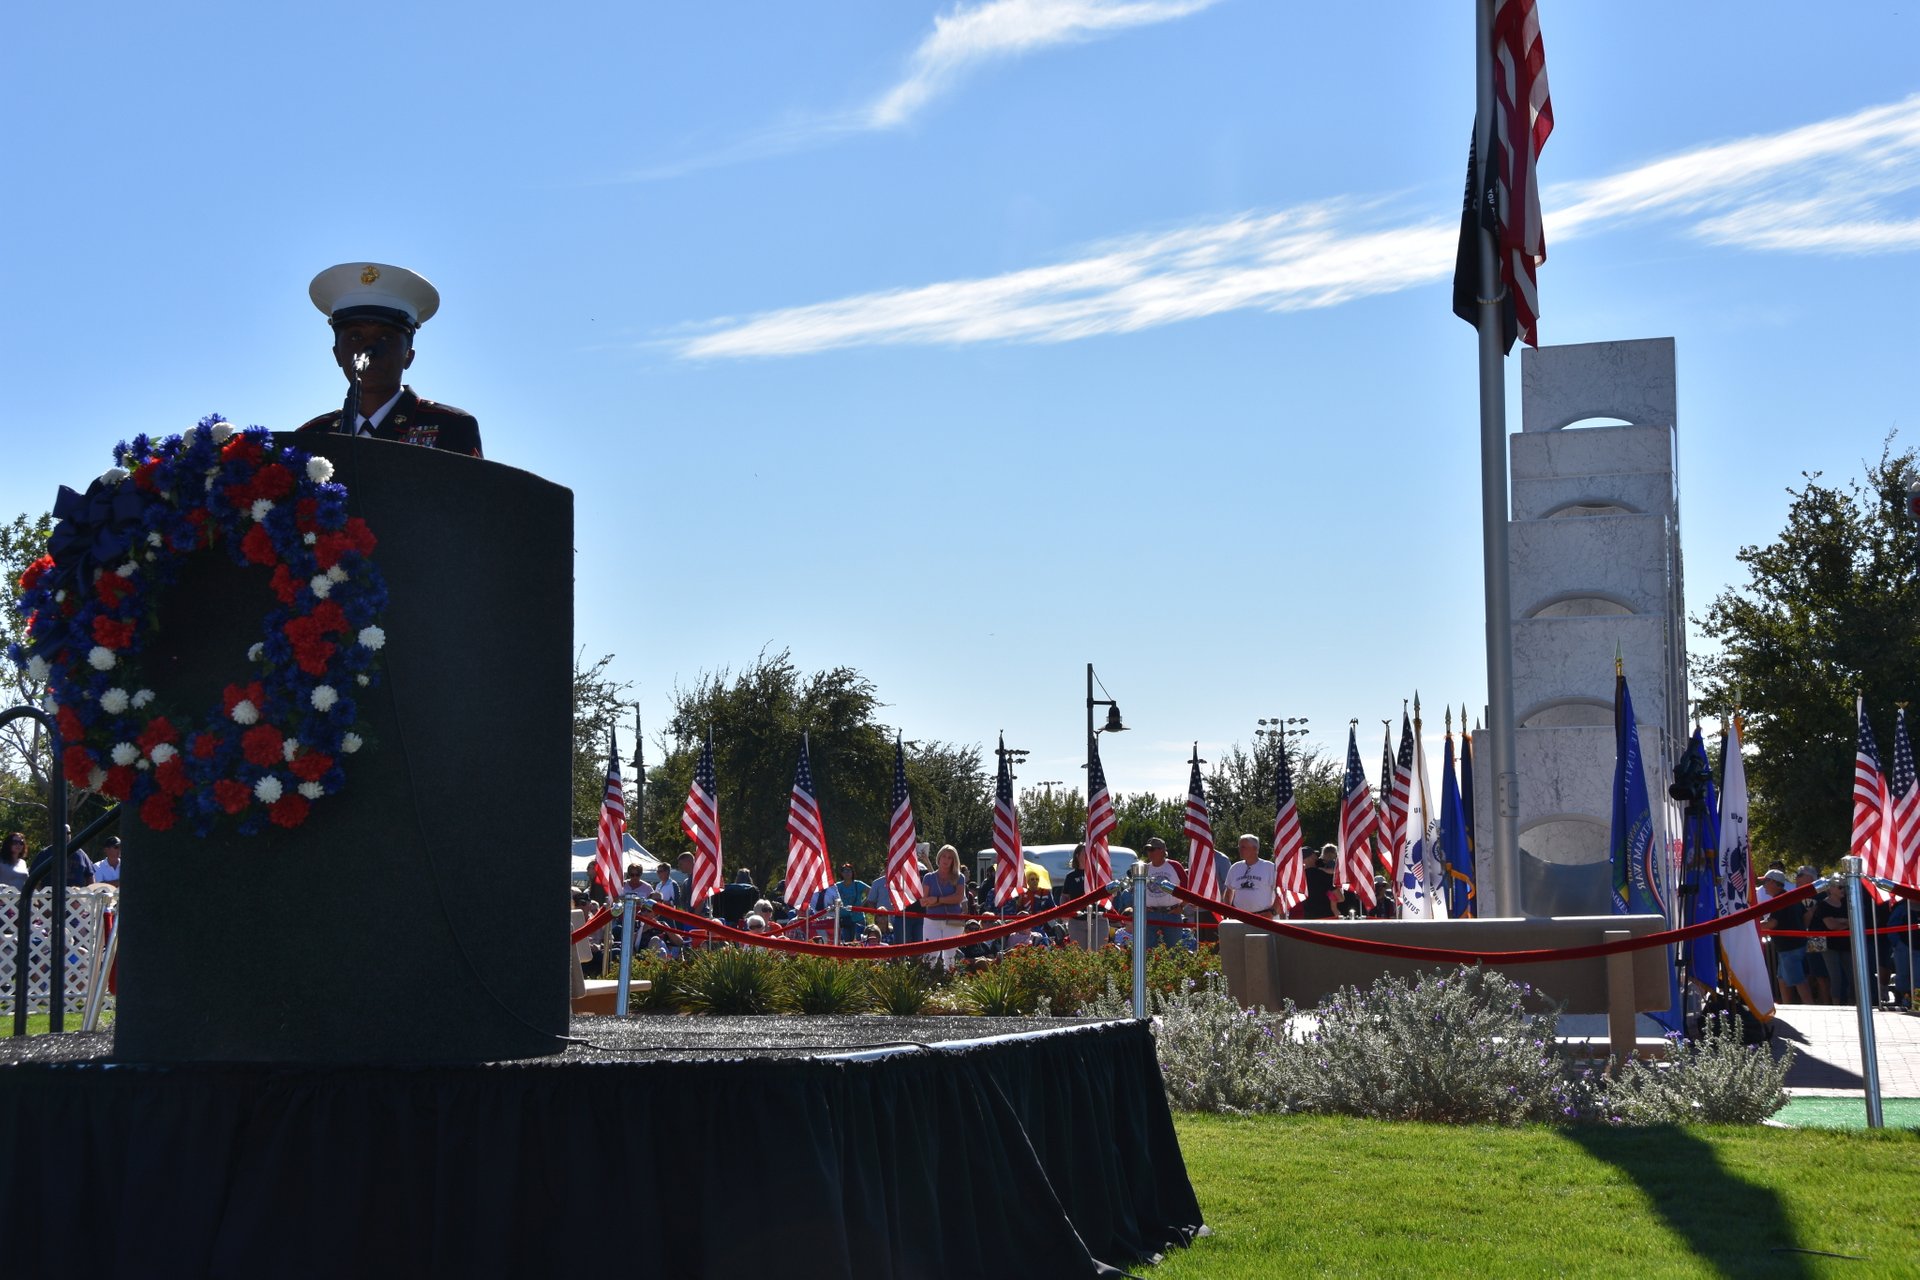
x,y
1822,188
961,41
975,34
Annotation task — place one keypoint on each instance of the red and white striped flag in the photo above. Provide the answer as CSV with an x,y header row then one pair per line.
x,y
613,827
700,819
1398,801
807,865
1100,824
1290,874
1873,834
1904,788
903,872
1203,873
1358,825
1008,859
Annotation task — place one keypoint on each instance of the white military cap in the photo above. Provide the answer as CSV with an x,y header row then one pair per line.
x,y
374,291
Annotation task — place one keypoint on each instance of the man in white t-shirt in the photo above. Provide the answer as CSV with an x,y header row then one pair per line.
x,y
107,870
1250,880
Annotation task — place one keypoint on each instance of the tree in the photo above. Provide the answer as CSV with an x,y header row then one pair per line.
x,y
599,704
25,761
952,792
1049,816
1240,792
1831,609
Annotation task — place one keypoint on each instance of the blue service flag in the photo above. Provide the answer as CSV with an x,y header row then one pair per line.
x,y
1455,853
1466,807
1631,849
1700,854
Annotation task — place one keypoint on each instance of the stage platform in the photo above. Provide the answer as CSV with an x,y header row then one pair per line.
x,y
673,1146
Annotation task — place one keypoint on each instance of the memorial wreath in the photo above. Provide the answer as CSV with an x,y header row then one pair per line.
x,y
276,742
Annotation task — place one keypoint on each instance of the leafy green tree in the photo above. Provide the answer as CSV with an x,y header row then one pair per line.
x,y
599,704
25,761
1051,815
952,792
1240,792
1830,609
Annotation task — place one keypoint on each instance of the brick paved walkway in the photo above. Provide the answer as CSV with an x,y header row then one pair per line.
x,y
1826,1041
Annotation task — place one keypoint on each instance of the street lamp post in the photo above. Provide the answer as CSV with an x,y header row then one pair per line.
x,y
1113,725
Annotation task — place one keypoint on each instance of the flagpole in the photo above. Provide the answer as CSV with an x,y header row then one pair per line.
x,y
1493,509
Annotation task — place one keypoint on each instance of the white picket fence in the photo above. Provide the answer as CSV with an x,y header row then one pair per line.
x,y
86,935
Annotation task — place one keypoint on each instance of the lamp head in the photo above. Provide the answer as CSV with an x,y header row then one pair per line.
x,y
1113,721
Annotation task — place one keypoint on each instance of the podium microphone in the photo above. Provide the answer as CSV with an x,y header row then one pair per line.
x,y
350,410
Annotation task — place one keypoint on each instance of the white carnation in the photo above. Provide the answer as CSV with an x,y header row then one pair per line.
x,y
312,790
290,747
188,436
141,698
309,538
319,470
114,475
154,540
151,557
125,753
60,596
324,696
256,651
220,431
267,790
362,681
372,637
244,712
349,743
96,778
128,569
163,752
260,508
101,658
320,585
336,574
38,670
141,764
115,702
212,476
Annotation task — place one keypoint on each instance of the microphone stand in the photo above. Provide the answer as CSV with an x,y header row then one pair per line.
x,y
350,409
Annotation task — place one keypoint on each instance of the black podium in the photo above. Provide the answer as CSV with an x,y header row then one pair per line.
x,y
416,916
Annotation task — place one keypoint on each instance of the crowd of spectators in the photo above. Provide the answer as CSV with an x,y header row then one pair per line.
x,y
1819,969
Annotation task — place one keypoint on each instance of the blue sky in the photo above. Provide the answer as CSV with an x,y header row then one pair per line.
x,y
965,344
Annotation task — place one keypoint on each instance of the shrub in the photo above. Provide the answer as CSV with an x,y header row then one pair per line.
x,y
732,980
997,992
665,975
902,988
1058,977
824,985
1713,1080
1214,1055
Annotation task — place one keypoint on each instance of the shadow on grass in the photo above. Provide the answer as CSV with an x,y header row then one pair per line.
x,y
1737,1227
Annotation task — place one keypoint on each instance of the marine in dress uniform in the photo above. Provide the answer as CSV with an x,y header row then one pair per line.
x,y
374,310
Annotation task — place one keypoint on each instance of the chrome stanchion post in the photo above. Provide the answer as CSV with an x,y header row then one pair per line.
x,y
1853,868
1139,940
626,956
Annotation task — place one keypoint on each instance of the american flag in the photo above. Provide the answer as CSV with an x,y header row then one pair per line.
x,y
1100,824
1398,801
700,819
1358,824
1202,873
1872,805
1505,198
903,872
1904,791
1290,874
1008,861
613,826
807,865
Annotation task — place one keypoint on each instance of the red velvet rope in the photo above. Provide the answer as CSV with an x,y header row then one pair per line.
x,y
1907,891
593,924
1833,933
1018,924
1442,955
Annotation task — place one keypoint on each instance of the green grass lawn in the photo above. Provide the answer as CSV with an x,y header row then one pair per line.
x,y
37,1023
1330,1196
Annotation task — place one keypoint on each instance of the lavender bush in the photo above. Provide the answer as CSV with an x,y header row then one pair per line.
x,y
1713,1080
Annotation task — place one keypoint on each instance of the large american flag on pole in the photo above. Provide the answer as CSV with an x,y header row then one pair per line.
x,y
613,826
1394,823
1873,836
1202,872
1290,874
807,865
1503,196
1008,860
1100,823
1904,790
903,872
1358,824
700,819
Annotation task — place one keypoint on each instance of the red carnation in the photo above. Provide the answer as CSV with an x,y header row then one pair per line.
x,y
329,617
262,745
112,588
111,632
329,547
119,783
204,745
312,766
232,796
304,511
157,811
235,694
143,475
238,496
285,585
77,764
257,546
273,481
173,778
158,730
70,727
362,537
35,571
289,810
197,516
243,447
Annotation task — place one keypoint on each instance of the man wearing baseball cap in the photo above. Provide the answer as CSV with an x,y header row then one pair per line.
x,y
374,310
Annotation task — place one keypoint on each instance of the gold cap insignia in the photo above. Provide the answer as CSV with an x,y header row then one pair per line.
x,y
371,274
